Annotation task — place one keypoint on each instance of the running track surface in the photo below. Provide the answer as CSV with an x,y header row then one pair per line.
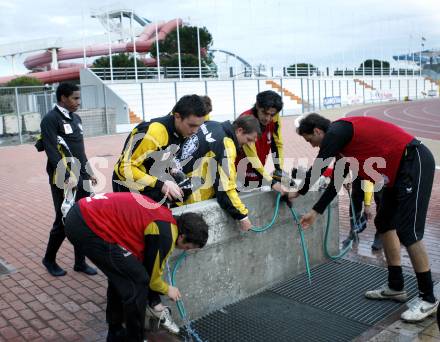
x,y
420,118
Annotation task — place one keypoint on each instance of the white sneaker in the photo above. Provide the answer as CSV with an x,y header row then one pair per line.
x,y
384,292
419,311
164,319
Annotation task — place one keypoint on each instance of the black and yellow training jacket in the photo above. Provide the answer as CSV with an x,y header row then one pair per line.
x,y
210,154
147,153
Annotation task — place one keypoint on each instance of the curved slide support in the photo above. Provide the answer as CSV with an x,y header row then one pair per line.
x,y
70,71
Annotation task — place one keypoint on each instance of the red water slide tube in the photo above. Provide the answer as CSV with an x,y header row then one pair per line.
x,y
143,44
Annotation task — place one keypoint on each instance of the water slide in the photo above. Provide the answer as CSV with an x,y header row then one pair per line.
x,y
68,71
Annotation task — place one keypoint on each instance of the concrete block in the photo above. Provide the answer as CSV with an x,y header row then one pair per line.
x,y
31,122
234,265
10,124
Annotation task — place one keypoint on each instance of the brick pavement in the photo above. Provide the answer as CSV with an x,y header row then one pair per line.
x,y
37,307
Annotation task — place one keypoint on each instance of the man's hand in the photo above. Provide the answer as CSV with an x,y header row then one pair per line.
x,y
245,225
71,182
308,219
172,191
94,180
278,187
292,195
368,211
174,293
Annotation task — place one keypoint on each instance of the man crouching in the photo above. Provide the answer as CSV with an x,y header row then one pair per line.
x,y
129,237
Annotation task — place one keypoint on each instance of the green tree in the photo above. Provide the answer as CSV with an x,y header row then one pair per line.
x,y
378,66
301,69
121,60
188,41
188,49
24,81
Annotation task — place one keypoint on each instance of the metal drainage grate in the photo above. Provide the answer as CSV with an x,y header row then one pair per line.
x,y
340,288
332,308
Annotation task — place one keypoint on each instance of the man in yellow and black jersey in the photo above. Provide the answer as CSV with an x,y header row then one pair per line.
x,y
149,148
210,155
130,237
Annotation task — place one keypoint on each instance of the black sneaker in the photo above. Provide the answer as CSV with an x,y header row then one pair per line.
x,y
116,334
53,268
85,269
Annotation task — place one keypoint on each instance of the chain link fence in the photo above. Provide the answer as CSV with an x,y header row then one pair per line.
x,y
22,109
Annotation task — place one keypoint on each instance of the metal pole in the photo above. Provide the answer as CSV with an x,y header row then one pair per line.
x,y
233,98
178,49
142,101
319,94
363,94
416,88
157,55
206,87
281,91
302,96
134,49
18,115
398,84
420,57
83,38
199,54
175,91
45,102
308,95
313,93
105,111
109,47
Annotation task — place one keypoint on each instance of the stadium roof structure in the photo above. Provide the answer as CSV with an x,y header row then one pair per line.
x,y
425,57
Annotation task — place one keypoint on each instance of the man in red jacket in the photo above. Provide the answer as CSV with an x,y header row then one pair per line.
x,y
130,237
390,157
251,169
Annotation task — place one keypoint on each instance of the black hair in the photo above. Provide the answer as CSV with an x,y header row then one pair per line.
x,y
193,227
248,123
66,89
312,121
190,105
208,103
269,99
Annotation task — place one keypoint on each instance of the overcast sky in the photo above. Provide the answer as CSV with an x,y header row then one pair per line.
x,y
271,32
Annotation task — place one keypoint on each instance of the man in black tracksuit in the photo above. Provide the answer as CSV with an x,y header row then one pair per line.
x,y
62,139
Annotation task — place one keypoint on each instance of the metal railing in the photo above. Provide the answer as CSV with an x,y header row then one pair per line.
x,y
261,71
143,73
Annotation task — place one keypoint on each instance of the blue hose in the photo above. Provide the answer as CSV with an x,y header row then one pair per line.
x,y
300,230
182,256
180,307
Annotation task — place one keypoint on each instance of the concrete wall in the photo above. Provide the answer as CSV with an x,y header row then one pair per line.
x,y
96,94
234,265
